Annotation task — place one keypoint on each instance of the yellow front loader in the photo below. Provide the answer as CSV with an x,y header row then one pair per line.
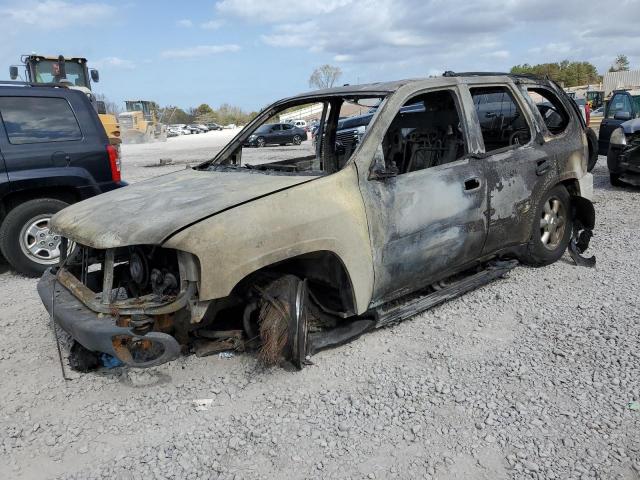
x,y
71,72
140,124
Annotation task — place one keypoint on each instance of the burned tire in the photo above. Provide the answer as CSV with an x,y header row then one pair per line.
x,y
25,239
282,321
551,229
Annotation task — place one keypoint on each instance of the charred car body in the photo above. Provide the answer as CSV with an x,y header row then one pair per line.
x,y
292,256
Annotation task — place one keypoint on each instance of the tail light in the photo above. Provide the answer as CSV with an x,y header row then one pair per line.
x,y
114,163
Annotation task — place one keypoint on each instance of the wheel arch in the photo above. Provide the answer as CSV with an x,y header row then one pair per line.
x,y
323,268
13,199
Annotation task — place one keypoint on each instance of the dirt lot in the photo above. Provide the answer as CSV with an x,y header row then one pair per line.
x,y
529,377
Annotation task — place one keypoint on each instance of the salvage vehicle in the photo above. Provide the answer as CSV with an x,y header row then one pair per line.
x,y
291,256
54,151
276,134
623,157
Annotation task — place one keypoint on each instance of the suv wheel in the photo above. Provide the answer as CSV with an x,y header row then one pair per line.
x,y
551,229
25,239
297,140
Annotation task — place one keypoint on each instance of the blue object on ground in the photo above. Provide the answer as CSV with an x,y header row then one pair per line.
x,y
110,361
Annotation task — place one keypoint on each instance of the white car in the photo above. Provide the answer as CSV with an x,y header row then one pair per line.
x,y
298,123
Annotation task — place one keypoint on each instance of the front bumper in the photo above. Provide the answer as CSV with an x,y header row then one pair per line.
x,y
99,332
624,160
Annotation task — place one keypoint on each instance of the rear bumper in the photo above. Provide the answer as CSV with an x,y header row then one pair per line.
x,y
99,332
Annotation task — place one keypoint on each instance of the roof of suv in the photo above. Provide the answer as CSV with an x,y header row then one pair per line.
x,y
448,78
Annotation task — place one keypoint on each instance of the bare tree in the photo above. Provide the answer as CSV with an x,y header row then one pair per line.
x,y
325,76
620,64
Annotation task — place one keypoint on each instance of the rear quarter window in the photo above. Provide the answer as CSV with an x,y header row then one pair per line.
x,y
38,120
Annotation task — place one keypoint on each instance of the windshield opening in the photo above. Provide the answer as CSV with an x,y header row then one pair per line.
x,y
48,71
314,138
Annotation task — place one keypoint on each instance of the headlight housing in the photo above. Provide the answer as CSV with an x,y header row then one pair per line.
x,y
252,137
618,137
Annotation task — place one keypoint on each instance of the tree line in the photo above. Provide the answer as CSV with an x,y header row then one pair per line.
x,y
571,74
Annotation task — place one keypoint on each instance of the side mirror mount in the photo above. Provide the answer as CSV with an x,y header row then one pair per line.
x,y
13,72
95,75
624,116
381,173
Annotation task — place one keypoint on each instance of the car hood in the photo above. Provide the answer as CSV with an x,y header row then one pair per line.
x,y
148,212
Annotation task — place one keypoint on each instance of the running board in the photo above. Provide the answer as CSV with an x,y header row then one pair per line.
x,y
388,314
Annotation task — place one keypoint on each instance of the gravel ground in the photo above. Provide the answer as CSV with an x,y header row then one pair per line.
x,y
529,377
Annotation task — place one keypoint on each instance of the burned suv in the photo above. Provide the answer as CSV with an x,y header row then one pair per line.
x,y
293,250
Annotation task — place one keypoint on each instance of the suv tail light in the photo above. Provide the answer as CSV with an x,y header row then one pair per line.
x,y
114,163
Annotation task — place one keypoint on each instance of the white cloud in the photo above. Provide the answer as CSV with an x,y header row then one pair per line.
x,y
55,14
498,54
212,24
473,34
185,23
114,62
278,10
199,51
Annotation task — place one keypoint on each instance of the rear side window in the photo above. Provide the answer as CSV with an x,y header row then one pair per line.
x,y
553,113
501,120
38,120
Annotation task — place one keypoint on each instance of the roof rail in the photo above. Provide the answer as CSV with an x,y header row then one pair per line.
x,y
449,73
31,84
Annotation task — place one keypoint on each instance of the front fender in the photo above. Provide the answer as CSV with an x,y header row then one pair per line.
x,y
324,215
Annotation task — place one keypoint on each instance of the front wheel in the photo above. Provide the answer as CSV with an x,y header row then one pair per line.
x,y
25,238
260,142
551,229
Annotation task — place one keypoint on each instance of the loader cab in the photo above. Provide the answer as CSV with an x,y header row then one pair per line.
x,y
45,69
140,106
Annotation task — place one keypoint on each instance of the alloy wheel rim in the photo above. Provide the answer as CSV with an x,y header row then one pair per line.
x,y
553,222
38,242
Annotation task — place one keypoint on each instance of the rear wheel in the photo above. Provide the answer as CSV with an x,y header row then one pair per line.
x,y
551,229
25,238
592,139
297,140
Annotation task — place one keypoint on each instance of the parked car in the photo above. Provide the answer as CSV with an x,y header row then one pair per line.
x,y
203,128
53,152
598,112
623,157
180,129
229,126
195,129
623,106
293,256
276,134
300,124
214,126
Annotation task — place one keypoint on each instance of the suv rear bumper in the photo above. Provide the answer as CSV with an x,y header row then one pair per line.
x,y
99,332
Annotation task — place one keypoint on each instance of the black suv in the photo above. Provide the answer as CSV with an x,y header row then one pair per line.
x,y
53,152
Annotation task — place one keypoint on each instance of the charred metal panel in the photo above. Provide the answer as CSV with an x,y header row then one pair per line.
x,y
324,215
424,223
150,211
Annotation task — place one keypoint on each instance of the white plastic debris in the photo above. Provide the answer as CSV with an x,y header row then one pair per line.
x,y
202,404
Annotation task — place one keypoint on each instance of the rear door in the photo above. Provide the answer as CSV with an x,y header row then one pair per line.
x,y
516,166
619,103
288,132
43,139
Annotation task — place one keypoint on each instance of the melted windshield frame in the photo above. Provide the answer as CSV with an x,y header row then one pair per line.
x,y
329,156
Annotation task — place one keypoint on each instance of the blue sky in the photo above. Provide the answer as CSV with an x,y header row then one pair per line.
x,y
250,52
